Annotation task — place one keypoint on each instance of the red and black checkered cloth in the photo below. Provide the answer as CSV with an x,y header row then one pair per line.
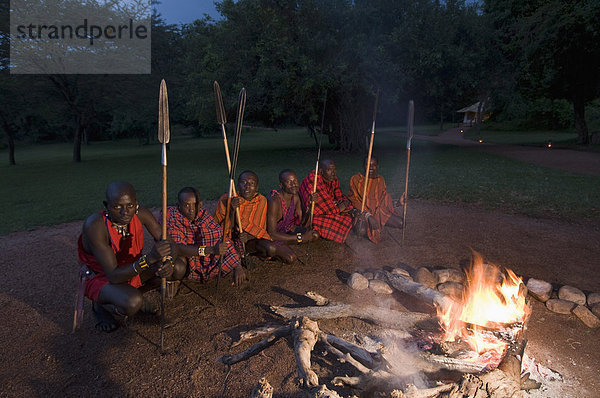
x,y
328,221
203,231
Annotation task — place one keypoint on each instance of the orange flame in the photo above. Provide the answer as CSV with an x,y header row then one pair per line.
x,y
491,299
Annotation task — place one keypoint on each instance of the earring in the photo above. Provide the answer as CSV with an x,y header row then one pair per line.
x,y
137,208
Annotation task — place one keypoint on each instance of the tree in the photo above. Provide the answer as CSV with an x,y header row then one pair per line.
x,y
554,45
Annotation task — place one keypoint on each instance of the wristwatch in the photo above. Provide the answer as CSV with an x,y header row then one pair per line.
x,y
299,237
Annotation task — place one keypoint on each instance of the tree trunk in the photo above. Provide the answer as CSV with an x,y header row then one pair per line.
x,y
583,137
441,119
11,149
77,139
10,133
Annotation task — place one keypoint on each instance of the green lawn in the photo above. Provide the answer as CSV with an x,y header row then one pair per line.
x,y
46,188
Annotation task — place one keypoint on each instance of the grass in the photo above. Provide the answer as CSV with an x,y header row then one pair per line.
x,y
46,188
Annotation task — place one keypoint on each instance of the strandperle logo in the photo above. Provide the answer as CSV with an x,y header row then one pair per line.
x,y
91,33
80,37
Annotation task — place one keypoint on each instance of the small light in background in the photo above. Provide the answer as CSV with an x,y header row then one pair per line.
x,y
549,144
480,140
461,131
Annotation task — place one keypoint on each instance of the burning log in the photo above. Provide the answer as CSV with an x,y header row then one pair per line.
x,y
422,292
455,364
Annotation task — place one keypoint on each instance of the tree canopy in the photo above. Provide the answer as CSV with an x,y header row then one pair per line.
x,y
287,54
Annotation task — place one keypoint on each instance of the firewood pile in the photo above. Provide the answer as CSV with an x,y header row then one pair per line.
x,y
385,367
410,354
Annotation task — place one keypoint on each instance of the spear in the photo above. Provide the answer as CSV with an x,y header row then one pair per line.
x,y
164,135
222,120
312,204
236,149
364,196
411,120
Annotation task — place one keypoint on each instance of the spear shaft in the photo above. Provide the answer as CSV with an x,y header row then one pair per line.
x,y
410,125
236,149
222,120
164,135
312,204
364,196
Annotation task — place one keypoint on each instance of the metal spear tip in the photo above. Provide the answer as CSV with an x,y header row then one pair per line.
x,y
221,115
164,132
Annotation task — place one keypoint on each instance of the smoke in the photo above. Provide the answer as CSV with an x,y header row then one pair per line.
x,y
403,361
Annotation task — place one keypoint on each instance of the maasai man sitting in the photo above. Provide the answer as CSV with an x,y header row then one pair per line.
x,y
379,206
110,247
200,241
334,214
285,221
253,213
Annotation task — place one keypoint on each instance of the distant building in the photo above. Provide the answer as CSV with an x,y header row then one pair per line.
x,y
470,112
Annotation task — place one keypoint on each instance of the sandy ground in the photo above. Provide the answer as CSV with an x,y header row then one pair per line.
x,y
41,357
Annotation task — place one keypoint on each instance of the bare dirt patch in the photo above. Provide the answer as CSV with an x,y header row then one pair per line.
x,y
41,357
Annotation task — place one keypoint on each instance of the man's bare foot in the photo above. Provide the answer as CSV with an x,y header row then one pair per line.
x,y
105,321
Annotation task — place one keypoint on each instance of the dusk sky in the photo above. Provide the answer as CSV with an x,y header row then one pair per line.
x,y
186,11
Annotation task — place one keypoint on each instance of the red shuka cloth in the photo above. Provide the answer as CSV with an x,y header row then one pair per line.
x,y
378,202
328,221
127,250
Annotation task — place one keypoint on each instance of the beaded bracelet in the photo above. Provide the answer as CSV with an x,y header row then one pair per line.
x,y
141,263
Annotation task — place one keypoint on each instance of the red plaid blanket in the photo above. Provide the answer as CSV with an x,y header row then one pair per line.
x,y
327,219
204,231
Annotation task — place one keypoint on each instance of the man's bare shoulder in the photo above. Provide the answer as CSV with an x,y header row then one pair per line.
x,y
93,222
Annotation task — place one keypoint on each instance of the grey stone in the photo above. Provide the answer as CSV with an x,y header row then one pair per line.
x,y
587,317
379,286
560,306
358,282
571,293
369,275
541,290
402,272
425,277
449,275
453,289
379,275
596,309
593,299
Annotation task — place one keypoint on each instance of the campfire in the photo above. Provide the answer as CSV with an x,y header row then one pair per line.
x,y
474,347
490,316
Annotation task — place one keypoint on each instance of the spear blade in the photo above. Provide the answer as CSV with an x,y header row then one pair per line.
x,y
221,115
411,121
164,133
238,129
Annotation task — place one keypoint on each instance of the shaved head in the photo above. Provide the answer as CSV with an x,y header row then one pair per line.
x,y
117,189
325,163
